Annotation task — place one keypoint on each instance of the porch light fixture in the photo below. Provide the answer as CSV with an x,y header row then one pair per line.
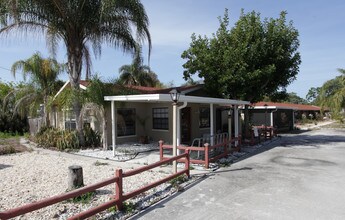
x,y
230,112
175,95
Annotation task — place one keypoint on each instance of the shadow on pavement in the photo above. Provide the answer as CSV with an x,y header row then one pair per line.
x,y
160,204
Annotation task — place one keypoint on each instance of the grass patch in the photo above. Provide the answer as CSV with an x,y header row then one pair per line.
x,y
5,135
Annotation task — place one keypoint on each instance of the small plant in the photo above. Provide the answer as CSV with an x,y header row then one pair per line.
x,y
98,163
92,138
125,151
178,180
128,207
7,150
112,209
84,198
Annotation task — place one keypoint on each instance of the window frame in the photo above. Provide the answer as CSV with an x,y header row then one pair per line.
x,y
160,118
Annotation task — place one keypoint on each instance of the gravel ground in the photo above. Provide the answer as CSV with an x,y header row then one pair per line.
x,y
31,176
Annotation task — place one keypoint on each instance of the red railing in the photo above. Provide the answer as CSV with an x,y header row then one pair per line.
x,y
222,148
119,197
267,132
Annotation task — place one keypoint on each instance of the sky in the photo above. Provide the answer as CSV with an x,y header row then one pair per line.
x,y
320,24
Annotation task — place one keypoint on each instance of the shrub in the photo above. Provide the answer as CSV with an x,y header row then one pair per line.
x,y
55,138
92,138
49,137
7,150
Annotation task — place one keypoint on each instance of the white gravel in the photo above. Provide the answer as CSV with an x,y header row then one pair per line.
x,y
31,176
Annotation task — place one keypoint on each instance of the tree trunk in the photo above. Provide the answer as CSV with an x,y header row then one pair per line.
x,y
45,112
75,67
104,132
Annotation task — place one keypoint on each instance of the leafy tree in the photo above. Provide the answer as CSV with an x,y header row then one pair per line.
x,y
10,121
253,59
294,98
250,60
313,94
42,84
137,73
79,24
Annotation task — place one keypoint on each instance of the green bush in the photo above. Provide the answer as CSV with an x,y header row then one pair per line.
x,y
55,138
92,138
49,137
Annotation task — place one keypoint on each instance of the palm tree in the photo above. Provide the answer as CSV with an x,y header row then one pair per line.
x,y
138,74
43,77
79,24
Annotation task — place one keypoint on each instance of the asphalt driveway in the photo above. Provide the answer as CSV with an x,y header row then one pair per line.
x,y
296,177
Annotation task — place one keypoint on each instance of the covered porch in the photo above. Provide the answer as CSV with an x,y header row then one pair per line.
x,y
205,115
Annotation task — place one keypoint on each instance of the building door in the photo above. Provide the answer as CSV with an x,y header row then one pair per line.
x,y
185,126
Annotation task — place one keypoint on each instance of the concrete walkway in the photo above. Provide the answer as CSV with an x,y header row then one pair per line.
x,y
297,177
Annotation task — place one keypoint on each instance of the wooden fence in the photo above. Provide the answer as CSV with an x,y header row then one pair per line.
x,y
210,153
119,197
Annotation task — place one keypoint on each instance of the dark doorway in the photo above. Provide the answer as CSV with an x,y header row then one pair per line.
x,y
219,125
185,126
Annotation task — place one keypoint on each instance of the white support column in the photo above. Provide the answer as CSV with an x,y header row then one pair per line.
x,y
236,123
113,126
271,121
293,119
211,124
174,136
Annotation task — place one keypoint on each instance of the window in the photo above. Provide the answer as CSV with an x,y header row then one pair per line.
x,y
70,122
125,122
204,117
160,118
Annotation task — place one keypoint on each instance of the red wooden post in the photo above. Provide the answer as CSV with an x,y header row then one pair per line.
x,y
161,150
187,163
206,155
118,189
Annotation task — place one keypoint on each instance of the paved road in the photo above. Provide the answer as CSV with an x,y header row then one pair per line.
x,y
297,177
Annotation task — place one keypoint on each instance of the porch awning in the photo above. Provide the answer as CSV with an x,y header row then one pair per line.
x,y
166,98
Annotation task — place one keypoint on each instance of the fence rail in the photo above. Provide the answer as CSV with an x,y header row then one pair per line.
x,y
221,147
119,197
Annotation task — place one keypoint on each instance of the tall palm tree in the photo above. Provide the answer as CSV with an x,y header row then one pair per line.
x,y
137,73
43,78
79,24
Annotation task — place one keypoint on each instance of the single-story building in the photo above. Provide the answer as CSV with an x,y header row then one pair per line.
x,y
281,115
151,115
148,115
